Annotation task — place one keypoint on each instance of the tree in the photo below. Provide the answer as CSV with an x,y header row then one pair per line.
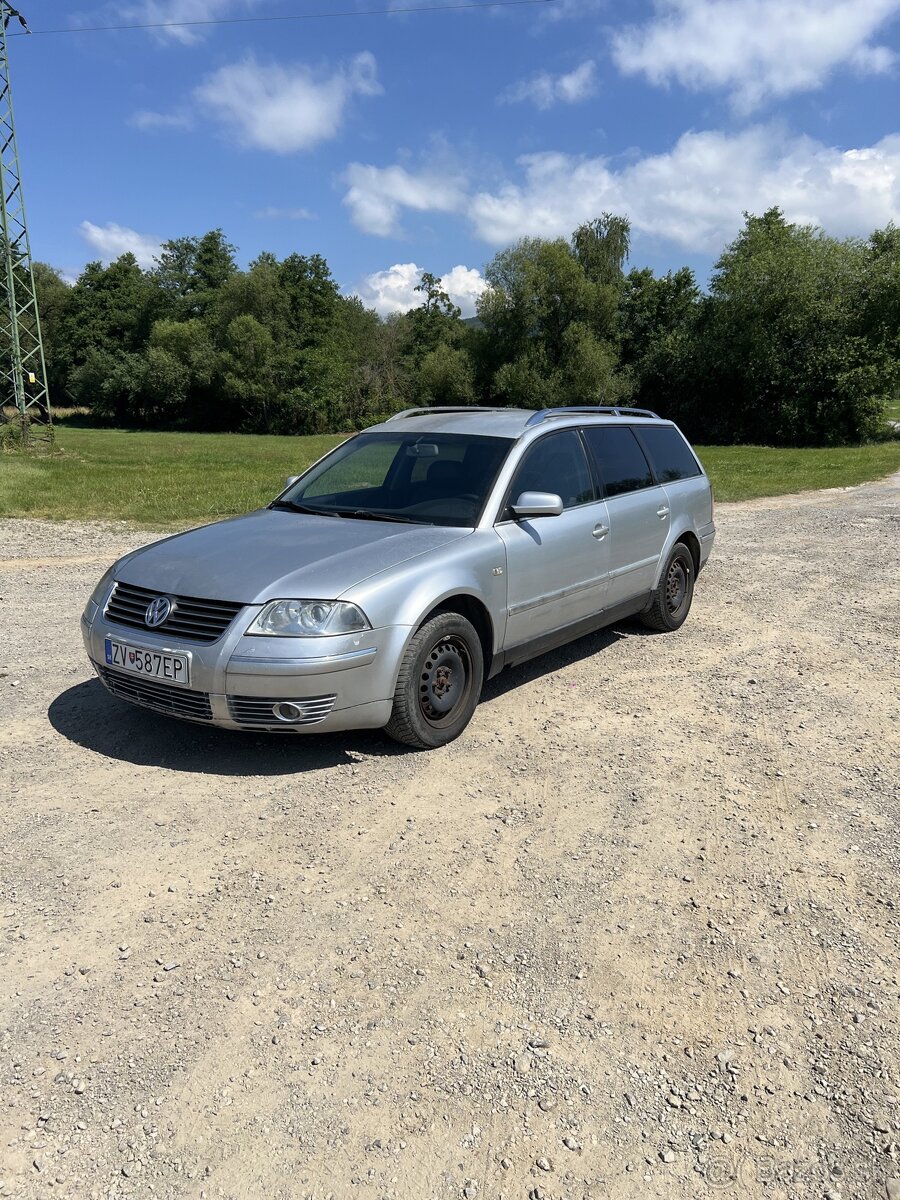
x,y
53,295
379,382
784,354
797,341
247,367
879,308
108,316
540,309
191,270
601,246
658,327
436,322
446,377
191,355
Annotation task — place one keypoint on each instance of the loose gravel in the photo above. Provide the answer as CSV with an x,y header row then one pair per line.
x,y
633,935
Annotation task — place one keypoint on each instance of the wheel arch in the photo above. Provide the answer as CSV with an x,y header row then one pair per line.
x,y
690,539
476,613
692,542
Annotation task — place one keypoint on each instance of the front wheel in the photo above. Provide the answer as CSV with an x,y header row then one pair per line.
x,y
671,601
439,683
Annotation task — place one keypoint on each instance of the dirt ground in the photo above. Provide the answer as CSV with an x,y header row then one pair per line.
x,y
633,935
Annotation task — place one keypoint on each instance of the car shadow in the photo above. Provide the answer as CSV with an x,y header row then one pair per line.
x,y
89,716
564,656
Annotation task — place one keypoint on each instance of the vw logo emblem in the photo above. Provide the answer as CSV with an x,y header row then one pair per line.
x,y
157,611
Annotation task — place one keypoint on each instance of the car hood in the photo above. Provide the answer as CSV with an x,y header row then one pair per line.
x,y
272,554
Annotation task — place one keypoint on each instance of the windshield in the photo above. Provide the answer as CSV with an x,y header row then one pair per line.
x,y
426,478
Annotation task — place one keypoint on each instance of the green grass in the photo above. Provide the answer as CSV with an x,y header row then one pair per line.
x,y
156,479
177,479
892,410
747,472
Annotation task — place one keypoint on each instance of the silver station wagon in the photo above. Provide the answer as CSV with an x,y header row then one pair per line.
x,y
408,565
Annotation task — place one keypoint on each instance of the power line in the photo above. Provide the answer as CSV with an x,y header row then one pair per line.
x,y
370,12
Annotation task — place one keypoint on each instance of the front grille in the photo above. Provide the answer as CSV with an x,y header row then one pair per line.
x,y
258,710
192,619
177,702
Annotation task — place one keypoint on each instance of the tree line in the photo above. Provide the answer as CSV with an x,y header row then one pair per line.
x,y
795,342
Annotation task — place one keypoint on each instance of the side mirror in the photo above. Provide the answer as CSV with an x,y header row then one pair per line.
x,y
538,504
291,479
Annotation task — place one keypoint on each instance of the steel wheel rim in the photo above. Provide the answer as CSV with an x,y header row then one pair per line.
x,y
676,585
444,680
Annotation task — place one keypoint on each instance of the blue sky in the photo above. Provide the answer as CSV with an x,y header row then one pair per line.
x,y
428,141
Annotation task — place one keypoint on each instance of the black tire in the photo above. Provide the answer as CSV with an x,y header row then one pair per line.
x,y
439,684
671,601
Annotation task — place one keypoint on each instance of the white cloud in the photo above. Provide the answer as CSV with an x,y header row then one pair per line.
x,y
284,214
391,291
284,109
394,290
464,285
376,195
151,122
171,12
693,195
112,240
546,90
756,49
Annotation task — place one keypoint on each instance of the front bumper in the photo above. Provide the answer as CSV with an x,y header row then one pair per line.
x,y
237,682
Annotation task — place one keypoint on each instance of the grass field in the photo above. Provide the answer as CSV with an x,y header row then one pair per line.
x,y
153,478
747,472
177,479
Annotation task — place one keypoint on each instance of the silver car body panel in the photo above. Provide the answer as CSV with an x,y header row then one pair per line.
x,y
269,555
539,581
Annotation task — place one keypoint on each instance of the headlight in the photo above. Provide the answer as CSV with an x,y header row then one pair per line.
x,y
98,595
308,618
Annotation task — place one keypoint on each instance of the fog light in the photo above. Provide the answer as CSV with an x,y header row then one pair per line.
x,y
287,712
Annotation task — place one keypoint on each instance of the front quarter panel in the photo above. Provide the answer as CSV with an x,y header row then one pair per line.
x,y
404,595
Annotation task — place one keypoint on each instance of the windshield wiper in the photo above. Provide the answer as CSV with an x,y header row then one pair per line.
x,y
365,514
293,506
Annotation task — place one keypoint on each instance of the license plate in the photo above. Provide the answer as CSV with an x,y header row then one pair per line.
x,y
151,664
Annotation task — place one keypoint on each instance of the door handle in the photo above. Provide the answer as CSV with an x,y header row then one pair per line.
x,y
600,531
662,513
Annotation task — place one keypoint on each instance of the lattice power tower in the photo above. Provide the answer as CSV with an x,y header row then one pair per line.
x,y
23,373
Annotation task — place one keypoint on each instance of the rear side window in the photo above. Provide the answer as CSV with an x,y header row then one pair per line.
x,y
669,453
620,460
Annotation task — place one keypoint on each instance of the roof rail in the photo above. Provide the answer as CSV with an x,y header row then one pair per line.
x,y
544,414
450,408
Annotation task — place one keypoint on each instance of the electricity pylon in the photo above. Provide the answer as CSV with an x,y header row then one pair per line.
x,y
23,372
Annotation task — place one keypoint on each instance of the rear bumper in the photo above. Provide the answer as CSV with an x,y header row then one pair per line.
x,y
707,535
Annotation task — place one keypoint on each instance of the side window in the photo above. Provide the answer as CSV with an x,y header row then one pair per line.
x,y
621,462
669,453
557,464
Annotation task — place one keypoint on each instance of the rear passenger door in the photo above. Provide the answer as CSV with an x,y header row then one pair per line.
x,y
677,469
555,566
638,510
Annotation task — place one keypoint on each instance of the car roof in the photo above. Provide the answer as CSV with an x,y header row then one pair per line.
x,y
507,422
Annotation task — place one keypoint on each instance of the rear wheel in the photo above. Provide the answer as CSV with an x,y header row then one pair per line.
x,y
671,601
439,683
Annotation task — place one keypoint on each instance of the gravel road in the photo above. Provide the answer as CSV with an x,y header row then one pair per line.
x,y
633,935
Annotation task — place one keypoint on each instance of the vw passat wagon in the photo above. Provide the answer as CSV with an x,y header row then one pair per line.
x,y
414,561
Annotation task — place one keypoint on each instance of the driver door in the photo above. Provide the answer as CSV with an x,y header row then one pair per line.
x,y
556,566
